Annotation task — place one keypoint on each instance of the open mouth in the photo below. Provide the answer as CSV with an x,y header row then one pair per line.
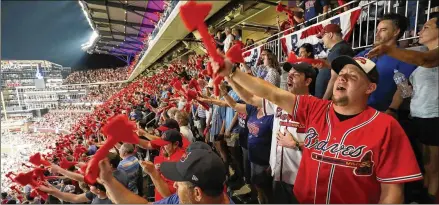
x,y
339,87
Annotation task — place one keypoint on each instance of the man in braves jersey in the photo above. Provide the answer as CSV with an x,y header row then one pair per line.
x,y
352,153
284,155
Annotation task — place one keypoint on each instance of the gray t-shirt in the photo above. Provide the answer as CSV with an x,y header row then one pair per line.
x,y
425,100
96,200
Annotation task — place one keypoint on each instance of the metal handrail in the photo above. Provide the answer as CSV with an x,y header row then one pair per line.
x,y
356,40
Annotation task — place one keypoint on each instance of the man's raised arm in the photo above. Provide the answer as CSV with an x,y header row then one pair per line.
x,y
428,59
258,87
248,97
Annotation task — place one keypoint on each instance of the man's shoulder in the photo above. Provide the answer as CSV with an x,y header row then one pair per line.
x,y
362,53
173,199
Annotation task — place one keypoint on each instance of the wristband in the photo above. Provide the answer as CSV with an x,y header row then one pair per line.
x,y
393,110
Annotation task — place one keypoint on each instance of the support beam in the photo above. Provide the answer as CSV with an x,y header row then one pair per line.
x,y
118,52
114,44
94,10
108,33
100,20
120,58
101,25
124,6
119,40
119,46
108,53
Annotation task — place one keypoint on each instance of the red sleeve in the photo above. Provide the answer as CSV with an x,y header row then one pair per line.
x,y
397,161
307,108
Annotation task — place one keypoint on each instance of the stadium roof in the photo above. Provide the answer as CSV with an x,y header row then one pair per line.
x,y
120,26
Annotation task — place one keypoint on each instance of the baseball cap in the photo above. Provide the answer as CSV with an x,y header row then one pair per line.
x,y
203,168
168,137
305,68
169,124
366,65
330,28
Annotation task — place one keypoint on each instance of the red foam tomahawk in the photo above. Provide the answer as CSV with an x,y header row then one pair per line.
x,y
118,129
37,160
292,58
192,95
29,178
193,15
65,164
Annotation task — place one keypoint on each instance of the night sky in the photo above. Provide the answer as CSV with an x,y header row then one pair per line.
x,y
49,30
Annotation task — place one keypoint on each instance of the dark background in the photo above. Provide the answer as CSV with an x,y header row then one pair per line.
x,y
49,30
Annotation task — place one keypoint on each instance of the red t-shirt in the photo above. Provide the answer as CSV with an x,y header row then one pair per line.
x,y
173,158
346,162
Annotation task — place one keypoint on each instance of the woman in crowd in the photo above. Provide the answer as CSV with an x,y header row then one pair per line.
x,y
269,70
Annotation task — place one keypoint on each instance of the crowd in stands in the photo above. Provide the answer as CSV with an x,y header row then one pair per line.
x,y
101,93
337,130
70,107
99,75
58,120
21,146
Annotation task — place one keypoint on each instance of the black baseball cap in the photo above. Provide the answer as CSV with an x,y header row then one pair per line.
x,y
169,136
203,168
169,124
365,65
304,68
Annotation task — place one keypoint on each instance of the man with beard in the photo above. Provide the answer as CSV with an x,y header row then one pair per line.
x,y
349,147
391,28
199,179
284,156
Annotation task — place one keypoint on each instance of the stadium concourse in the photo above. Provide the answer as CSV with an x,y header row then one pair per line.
x,y
338,104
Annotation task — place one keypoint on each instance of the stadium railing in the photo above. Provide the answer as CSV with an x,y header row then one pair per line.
x,y
364,24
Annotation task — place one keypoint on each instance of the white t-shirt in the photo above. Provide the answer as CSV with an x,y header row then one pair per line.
x,y
228,42
186,132
289,165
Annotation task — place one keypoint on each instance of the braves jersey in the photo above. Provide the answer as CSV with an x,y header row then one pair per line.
x,y
284,162
345,162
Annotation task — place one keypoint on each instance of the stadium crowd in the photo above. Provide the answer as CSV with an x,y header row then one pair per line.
x,y
334,130
64,120
95,76
21,146
100,93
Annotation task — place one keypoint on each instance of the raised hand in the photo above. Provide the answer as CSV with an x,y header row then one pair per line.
x,y
148,167
105,171
225,71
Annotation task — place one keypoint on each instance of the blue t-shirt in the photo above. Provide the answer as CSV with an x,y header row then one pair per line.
x,y
218,115
259,136
230,112
312,8
382,97
174,199
131,166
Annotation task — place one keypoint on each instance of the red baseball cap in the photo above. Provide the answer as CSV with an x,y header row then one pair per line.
x,y
169,124
330,28
168,137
